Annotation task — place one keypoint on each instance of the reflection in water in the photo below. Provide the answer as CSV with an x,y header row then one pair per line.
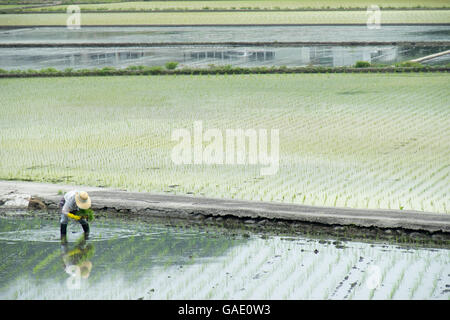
x,y
76,261
230,55
229,33
125,252
209,262
79,58
441,60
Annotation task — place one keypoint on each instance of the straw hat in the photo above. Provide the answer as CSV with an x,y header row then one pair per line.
x,y
82,199
85,269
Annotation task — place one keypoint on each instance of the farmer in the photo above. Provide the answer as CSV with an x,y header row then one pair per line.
x,y
69,205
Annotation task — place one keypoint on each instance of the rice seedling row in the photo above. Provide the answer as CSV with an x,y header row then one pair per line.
x,y
229,18
242,5
251,268
360,147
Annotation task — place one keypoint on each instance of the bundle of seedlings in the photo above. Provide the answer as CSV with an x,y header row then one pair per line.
x,y
86,213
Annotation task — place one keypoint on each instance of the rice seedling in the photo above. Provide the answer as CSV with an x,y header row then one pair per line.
x,y
436,279
255,17
242,5
335,149
256,268
396,284
86,213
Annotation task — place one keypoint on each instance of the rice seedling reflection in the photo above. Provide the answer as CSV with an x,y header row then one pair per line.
x,y
175,260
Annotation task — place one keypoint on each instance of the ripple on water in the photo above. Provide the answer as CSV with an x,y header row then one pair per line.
x,y
51,234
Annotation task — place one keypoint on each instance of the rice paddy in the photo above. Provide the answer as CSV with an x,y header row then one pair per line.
x,y
365,141
229,18
346,140
135,260
10,6
250,5
204,56
146,34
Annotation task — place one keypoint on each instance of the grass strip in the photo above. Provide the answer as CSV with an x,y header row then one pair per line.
x,y
251,5
217,70
227,18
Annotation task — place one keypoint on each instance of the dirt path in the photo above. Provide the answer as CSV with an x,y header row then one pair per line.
x,y
15,195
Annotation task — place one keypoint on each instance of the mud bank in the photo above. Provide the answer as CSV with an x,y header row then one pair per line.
x,y
17,194
222,43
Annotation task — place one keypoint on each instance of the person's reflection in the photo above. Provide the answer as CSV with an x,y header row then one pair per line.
x,y
77,260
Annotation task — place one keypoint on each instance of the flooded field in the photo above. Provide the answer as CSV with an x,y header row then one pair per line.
x,y
159,259
202,56
221,34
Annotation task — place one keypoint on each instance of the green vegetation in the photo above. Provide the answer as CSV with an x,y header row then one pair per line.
x,y
167,260
11,6
86,213
409,64
247,5
188,18
47,70
346,140
373,66
171,65
362,64
226,69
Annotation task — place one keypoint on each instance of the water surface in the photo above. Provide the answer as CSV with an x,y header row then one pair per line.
x,y
203,56
221,34
155,260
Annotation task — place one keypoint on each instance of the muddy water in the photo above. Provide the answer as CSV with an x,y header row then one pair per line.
x,y
231,33
199,56
157,259
202,56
